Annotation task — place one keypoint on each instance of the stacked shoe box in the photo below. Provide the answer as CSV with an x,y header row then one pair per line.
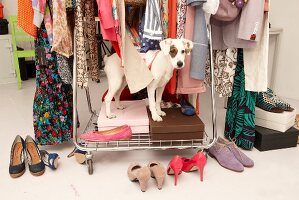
x,y
275,130
134,115
176,126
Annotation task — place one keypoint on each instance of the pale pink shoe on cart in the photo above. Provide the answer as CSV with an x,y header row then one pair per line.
x,y
119,133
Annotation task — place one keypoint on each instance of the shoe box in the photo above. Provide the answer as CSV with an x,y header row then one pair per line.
x,y
268,139
276,121
134,115
176,126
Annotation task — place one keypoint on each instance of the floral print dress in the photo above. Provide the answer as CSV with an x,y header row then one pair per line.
x,y
52,106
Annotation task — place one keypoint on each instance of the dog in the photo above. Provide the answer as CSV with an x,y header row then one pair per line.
x,y
171,56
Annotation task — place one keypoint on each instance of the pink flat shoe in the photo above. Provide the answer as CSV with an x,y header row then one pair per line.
x,y
119,133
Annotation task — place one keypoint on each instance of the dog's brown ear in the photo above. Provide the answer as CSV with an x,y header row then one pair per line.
x,y
188,46
165,45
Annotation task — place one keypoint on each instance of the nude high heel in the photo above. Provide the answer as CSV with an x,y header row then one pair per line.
x,y
140,174
157,172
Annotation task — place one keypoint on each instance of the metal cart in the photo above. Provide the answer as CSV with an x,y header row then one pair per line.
x,y
139,141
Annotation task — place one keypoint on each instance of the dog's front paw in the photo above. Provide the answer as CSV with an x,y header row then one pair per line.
x,y
161,113
111,116
157,118
121,107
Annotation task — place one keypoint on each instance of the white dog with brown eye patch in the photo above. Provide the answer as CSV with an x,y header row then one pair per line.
x,y
171,56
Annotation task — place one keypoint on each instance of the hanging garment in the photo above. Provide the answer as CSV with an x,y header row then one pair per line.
x,y
115,46
81,63
39,10
70,14
147,44
172,17
25,17
164,16
107,23
133,34
181,18
251,21
49,24
186,84
210,7
240,114
62,39
172,8
137,74
225,62
52,106
70,4
86,8
226,34
152,24
227,12
200,41
65,68
256,62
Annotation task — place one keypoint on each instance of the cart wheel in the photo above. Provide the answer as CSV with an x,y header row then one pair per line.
x,y
90,166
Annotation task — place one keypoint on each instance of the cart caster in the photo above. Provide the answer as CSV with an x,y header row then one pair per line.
x,y
90,166
89,162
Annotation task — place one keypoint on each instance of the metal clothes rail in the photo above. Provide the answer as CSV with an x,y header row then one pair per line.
x,y
138,141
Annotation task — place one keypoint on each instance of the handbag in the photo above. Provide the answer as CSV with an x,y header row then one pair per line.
x,y
227,11
136,3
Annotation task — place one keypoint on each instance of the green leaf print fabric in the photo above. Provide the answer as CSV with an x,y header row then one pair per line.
x,y
240,114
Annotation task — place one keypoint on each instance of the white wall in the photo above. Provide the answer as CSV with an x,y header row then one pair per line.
x,y
10,7
285,14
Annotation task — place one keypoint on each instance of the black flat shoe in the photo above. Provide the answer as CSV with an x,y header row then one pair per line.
x,y
17,158
35,162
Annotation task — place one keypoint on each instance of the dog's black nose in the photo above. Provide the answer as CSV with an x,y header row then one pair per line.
x,y
180,64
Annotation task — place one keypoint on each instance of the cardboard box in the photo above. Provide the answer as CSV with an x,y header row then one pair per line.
x,y
268,139
176,126
276,121
134,115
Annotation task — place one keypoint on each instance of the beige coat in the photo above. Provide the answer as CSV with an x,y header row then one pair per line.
x,y
137,74
237,34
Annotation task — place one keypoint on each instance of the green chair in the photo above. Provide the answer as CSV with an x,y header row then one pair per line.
x,y
18,35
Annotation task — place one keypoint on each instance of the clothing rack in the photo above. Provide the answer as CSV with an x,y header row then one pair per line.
x,y
138,141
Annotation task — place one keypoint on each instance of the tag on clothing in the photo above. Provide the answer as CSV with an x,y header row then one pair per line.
x,y
41,56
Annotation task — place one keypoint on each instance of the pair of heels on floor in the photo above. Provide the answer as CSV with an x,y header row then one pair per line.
x,y
142,174
37,159
181,164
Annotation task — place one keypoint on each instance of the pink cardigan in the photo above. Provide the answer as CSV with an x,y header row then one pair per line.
x,y
107,22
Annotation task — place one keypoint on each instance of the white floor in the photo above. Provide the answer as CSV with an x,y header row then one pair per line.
x,y
275,175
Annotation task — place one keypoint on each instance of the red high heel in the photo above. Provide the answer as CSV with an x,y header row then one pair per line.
x,y
197,162
175,167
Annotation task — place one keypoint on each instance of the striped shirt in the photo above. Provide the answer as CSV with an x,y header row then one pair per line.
x,y
152,25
